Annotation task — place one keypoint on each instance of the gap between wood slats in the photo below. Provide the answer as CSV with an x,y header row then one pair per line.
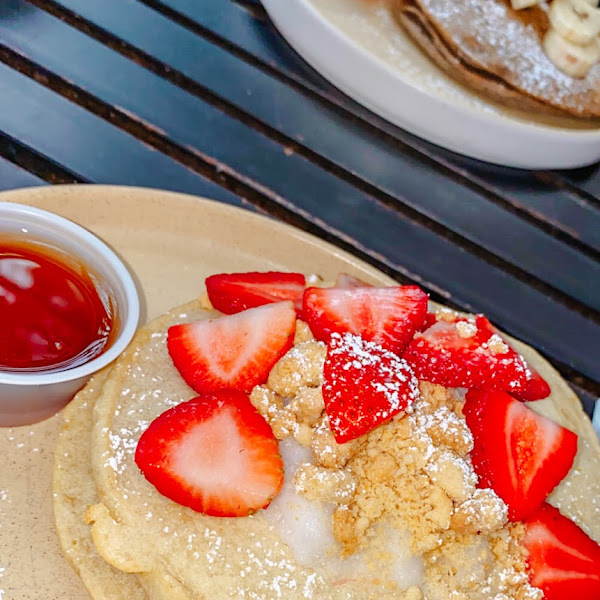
x,y
33,162
585,182
162,70
260,199
552,227
265,200
56,174
462,167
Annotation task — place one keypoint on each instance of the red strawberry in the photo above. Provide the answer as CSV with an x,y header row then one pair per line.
x,y
430,321
215,454
387,316
348,282
535,387
233,292
235,351
465,354
518,453
364,385
563,561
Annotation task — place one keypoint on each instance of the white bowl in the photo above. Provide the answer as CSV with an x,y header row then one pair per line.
x,y
401,85
30,396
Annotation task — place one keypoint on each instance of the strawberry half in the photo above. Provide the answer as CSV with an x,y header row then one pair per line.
x,y
235,351
364,385
386,316
231,293
215,454
563,561
518,453
467,354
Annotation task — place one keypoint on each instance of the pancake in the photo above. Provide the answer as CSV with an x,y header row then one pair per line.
x,y
496,50
157,549
74,490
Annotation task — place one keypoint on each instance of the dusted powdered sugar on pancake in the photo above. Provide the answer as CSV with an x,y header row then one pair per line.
x,y
373,27
176,552
74,491
491,36
401,502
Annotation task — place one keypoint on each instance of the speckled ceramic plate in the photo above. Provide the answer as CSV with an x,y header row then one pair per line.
x,y
170,242
358,46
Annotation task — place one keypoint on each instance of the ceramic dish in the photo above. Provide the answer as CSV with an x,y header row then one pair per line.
x,y
360,49
176,242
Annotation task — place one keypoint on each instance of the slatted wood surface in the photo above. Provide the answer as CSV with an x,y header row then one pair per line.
x,y
205,97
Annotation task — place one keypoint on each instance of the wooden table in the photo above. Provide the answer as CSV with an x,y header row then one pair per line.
x,y
205,97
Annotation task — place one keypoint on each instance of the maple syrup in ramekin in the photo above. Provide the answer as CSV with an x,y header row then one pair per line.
x,y
53,312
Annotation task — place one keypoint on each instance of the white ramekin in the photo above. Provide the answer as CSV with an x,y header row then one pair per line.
x,y
28,397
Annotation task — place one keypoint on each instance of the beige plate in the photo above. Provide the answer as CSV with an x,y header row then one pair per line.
x,y
170,242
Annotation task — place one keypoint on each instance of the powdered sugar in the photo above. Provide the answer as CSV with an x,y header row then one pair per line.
x,y
395,381
512,48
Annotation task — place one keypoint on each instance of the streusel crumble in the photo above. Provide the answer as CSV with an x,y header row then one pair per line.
x,y
413,474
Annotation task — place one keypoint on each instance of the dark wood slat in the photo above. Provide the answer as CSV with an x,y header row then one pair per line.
x,y
97,151
33,162
543,199
13,177
317,196
587,179
587,400
376,161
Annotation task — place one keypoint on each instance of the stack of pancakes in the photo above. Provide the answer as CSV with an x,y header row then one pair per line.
x,y
127,541
498,51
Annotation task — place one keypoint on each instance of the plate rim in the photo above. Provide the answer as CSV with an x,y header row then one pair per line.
x,y
265,221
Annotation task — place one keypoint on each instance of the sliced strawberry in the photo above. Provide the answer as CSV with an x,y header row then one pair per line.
x,y
430,321
518,453
349,282
231,293
364,385
563,561
235,351
387,316
465,354
535,387
215,454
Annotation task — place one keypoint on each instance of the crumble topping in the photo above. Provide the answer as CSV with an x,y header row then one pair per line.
x,y
412,474
465,329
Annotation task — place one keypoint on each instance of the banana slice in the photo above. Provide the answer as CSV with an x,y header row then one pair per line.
x,y
572,59
578,21
519,4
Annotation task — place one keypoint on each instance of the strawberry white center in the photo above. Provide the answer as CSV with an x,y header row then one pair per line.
x,y
239,333
214,458
529,440
211,452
